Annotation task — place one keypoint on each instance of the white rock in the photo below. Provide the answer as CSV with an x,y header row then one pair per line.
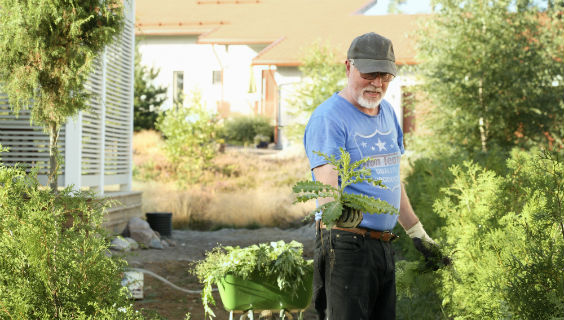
x,y
120,244
132,243
155,243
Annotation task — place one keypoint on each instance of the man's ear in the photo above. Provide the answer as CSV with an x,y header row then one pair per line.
x,y
348,64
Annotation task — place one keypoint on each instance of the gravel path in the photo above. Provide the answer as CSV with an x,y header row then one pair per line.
x,y
191,245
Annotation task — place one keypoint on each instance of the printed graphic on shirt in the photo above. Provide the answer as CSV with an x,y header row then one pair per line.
x,y
384,154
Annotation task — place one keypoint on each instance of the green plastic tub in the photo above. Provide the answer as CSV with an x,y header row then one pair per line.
x,y
239,294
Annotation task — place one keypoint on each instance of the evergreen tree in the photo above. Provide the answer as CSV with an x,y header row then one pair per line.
x,y
494,73
147,98
506,234
47,52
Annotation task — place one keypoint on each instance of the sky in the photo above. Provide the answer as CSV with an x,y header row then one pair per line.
x,y
410,7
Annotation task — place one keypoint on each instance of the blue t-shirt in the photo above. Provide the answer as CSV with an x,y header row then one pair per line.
x,y
335,124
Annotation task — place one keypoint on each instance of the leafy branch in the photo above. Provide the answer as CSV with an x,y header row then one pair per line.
x,y
349,173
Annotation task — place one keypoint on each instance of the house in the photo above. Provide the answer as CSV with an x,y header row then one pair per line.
x,y
96,145
243,55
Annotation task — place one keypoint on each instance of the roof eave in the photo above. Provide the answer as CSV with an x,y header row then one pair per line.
x,y
233,41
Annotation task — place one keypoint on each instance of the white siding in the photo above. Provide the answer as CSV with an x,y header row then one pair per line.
x,y
198,61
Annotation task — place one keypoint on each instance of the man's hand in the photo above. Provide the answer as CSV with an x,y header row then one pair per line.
x,y
434,259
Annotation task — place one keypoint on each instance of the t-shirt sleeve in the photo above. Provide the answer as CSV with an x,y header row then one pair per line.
x,y
324,135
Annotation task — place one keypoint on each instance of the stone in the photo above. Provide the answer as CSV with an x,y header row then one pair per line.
x,y
140,231
120,244
156,243
132,243
171,242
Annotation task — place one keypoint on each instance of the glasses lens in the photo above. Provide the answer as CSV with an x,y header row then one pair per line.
x,y
385,77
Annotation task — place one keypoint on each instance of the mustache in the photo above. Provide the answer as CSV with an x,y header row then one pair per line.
x,y
372,88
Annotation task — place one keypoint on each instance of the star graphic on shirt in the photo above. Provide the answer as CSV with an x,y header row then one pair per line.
x,y
372,148
381,145
364,144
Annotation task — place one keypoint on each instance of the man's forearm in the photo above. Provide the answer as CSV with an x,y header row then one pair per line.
x,y
326,174
407,217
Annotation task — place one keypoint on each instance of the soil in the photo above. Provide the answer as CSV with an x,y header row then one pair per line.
x,y
161,301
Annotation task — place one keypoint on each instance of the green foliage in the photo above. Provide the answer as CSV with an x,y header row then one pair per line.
x,y
393,6
53,255
323,75
147,97
243,130
191,138
494,74
507,236
48,48
479,62
278,260
348,174
417,289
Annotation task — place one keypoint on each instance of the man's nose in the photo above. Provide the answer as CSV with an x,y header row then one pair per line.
x,y
377,82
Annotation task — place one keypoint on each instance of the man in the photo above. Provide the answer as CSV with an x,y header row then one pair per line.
x,y
354,275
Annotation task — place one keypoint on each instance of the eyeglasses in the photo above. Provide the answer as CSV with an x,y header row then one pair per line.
x,y
384,77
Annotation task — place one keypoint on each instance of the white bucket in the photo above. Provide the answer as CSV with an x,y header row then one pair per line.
x,y
133,281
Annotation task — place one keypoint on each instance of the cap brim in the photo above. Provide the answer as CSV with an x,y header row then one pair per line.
x,y
370,65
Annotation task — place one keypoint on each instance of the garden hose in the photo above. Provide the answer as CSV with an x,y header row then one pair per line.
x,y
154,275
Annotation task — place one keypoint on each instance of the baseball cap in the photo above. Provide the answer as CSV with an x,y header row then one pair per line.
x,y
372,53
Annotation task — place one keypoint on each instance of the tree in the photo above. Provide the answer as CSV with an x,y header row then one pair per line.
x,y
493,73
147,98
47,52
323,76
191,138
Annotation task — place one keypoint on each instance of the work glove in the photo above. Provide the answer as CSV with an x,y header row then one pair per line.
x,y
434,259
350,218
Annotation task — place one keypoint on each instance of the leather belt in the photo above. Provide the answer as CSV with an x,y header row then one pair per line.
x,y
385,236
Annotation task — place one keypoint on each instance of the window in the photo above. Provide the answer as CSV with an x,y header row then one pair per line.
x,y
217,77
177,86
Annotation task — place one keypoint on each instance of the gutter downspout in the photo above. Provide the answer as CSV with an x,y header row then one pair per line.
x,y
221,68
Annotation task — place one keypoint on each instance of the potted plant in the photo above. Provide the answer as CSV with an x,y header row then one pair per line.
x,y
261,141
345,210
271,276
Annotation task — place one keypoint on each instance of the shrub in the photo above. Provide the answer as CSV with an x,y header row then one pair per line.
x,y
428,176
53,255
507,237
243,130
190,138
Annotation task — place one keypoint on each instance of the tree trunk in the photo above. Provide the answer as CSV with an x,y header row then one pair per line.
x,y
53,156
482,122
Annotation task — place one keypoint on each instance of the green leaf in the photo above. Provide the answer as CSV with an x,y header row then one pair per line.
x,y
368,204
331,213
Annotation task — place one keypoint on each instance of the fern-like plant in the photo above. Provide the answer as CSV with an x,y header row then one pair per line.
x,y
281,262
349,174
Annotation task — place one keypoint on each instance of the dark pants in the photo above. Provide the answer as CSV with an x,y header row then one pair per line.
x,y
354,277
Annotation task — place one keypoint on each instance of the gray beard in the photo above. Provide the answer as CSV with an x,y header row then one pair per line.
x,y
368,104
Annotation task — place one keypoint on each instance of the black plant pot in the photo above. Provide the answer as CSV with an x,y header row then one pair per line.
x,y
160,222
262,145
